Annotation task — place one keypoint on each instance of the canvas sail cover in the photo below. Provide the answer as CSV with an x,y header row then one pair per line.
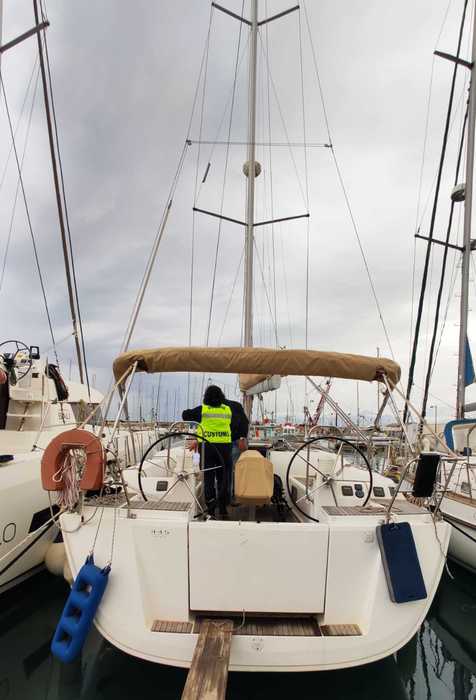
x,y
261,363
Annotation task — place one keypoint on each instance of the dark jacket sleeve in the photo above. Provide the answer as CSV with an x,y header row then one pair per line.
x,y
239,421
194,414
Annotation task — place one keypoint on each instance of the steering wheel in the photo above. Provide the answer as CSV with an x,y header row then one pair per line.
x,y
182,476
327,479
16,364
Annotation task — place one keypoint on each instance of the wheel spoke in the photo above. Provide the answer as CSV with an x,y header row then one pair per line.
x,y
208,469
339,454
333,494
309,464
311,493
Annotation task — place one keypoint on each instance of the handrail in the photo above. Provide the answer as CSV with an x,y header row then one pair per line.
x,y
467,461
397,490
181,422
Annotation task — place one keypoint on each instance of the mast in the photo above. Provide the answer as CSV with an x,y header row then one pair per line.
x,y
468,196
251,164
59,204
251,173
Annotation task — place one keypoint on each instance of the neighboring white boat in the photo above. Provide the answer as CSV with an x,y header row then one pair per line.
x,y
458,504
32,412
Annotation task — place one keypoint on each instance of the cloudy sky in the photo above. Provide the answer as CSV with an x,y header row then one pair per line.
x,y
124,77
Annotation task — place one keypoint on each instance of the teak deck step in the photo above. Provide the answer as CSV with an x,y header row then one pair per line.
x,y
262,627
341,630
172,626
208,674
273,627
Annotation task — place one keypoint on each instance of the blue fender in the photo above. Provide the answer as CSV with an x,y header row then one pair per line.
x,y
79,611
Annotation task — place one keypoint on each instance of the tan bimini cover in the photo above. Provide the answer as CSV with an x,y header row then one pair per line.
x,y
263,362
253,479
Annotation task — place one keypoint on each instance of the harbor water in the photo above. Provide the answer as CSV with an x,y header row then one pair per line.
x,y
438,663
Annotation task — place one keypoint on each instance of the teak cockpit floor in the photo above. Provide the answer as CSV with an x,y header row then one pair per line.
x,y
263,514
261,626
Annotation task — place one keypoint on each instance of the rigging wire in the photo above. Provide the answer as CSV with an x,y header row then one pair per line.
x,y
271,188
306,178
10,150
459,103
281,115
160,229
442,274
17,189
265,287
204,70
286,293
28,217
433,217
65,203
222,201
231,295
216,142
420,184
452,284
344,190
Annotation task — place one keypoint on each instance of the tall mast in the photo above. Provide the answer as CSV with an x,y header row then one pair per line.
x,y
468,197
250,192
59,204
251,164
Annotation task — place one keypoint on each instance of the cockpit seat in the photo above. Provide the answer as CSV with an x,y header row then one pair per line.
x,y
254,479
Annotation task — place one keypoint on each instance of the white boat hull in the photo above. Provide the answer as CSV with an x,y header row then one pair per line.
x,y
154,577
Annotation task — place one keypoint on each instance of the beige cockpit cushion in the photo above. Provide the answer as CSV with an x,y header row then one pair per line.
x,y
253,479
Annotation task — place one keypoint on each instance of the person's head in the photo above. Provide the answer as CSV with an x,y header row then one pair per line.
x,y
213,396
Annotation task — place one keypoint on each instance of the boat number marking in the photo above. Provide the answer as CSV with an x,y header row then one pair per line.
x,y
369,536
8,533
257,643
160,532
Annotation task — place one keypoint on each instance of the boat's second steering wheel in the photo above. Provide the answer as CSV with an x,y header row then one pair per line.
x,y
16,358
312,472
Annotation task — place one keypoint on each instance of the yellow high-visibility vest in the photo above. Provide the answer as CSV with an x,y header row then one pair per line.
x,y
215,425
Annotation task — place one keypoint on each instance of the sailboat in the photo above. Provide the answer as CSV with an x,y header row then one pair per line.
x,y
305,582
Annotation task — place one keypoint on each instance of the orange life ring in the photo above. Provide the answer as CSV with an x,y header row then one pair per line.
x,y
55,453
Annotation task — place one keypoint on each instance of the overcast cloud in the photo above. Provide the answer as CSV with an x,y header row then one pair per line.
x,y
124,79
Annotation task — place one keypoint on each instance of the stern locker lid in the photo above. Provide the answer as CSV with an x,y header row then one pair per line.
x,y
258,567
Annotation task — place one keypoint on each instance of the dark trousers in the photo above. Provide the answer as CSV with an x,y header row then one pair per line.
x,y
218,480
